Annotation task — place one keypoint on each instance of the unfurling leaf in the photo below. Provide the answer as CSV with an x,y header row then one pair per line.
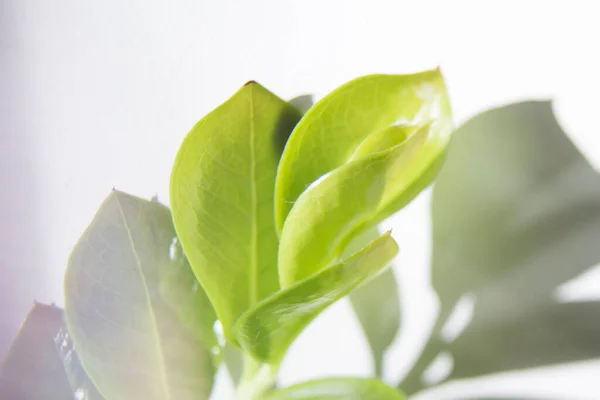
x,y
222,189
375,142
122,278
267,330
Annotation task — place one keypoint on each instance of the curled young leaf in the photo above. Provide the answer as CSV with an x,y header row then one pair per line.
x,y
222,190
336,125
119,288
267,330
375,143
338,389
350,199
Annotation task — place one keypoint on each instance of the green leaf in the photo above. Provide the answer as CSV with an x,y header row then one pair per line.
x,y
516,213
350,199
182,293
376,304
338,389
222,188
375,164
129,339
335,126
267,330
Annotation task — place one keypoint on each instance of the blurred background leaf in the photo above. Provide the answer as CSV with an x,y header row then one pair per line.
x,y
377,307
516,212
376,304
302,102
121,285
42,362
234,361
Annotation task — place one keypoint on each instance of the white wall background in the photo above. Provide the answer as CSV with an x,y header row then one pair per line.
x,y
100,94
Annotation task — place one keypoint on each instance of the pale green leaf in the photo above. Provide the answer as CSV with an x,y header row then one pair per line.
x,y
338,389
335,126
222,188
192,305
267,330
130,340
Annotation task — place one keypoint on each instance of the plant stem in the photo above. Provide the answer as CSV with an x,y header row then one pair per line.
x,y
256,379
378,361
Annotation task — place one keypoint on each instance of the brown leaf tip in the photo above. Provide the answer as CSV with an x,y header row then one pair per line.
x,y
249,83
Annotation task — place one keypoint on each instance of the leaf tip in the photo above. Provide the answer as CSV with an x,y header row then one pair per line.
x,y
250,82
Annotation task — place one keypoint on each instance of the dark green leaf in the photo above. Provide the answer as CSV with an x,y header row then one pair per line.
x,y
222,188
127,334
338,389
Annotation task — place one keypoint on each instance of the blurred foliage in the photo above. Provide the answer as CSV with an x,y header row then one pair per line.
x,y
42,363
515,212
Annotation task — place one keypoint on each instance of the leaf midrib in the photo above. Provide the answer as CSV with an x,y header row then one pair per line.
x,y
165,385
254,210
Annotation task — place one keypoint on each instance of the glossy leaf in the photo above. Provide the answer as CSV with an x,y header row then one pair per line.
x,y
222,188
335,126
377,305
268,329
350,199
516,212
130,340
338,389
374,160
